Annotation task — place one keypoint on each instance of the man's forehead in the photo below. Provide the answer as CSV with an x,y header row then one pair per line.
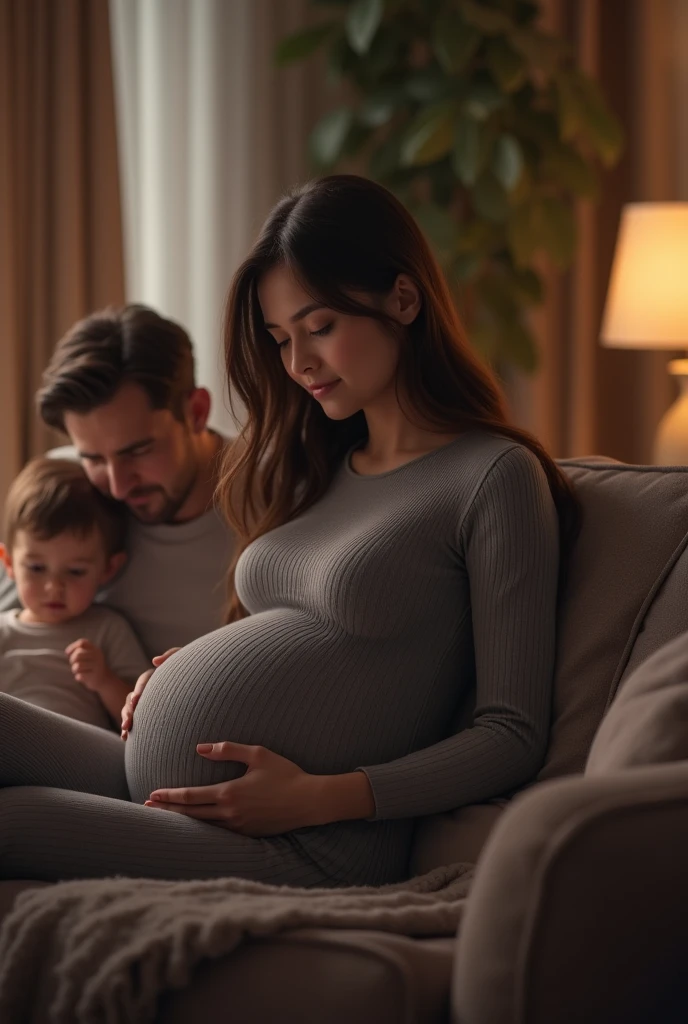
x,y
111,427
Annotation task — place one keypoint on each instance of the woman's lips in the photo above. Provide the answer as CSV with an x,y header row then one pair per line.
x,y
324,389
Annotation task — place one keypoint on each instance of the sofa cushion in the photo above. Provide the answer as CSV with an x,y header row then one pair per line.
x,y
648,721
316,975
635,529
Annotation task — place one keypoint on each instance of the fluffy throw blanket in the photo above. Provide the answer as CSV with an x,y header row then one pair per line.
x,y
108,948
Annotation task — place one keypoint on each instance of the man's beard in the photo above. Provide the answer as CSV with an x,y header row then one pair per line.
x,y
170,506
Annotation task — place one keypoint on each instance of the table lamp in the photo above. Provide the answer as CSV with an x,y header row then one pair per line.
x,y
647,304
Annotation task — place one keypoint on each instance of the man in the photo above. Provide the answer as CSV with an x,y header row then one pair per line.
x,y
121,385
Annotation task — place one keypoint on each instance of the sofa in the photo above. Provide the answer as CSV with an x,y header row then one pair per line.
x,y
579,908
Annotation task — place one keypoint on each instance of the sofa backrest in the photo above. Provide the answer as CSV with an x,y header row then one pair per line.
x,y
623,595
624,598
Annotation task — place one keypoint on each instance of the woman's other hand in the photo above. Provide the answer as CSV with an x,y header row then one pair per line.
x,y
133,697
273,797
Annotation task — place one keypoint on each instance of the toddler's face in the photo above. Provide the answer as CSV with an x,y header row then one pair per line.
x,y
57,579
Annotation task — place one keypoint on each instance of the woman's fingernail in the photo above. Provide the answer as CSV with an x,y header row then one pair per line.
x,y
204,748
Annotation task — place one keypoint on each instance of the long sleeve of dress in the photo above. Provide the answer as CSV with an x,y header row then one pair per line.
x,y
509,541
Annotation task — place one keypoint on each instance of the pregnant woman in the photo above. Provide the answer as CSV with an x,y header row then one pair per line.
x,y
401,550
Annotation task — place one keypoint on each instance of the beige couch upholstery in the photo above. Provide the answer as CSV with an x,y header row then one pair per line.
x,y
579,910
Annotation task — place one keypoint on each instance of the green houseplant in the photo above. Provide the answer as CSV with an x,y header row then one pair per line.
x,y
482,126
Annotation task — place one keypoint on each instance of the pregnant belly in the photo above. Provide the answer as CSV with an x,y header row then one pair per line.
x,y
273,679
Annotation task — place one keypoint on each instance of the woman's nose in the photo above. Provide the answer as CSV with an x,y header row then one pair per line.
x,y
303,359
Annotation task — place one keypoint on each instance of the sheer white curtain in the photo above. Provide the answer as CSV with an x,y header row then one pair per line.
x,y
210,134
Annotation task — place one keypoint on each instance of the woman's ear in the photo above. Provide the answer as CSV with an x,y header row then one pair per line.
x,y
114,564
404,301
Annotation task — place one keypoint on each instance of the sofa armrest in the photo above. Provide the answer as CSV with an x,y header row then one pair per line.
x,y
579,910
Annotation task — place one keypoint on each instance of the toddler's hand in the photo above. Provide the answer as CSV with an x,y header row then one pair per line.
x,y
88,664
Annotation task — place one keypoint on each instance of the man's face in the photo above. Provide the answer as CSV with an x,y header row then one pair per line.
x,y
136,454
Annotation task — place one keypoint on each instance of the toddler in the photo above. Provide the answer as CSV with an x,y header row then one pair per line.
x,y
64,540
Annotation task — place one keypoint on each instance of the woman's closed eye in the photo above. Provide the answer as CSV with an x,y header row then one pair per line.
x,y
320,333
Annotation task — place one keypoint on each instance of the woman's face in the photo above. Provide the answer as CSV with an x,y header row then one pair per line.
x,y
346,363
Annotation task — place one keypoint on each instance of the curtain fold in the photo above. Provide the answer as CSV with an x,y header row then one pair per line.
x,y
60,228
586,399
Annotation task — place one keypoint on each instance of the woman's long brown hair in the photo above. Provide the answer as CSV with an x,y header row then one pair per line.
x,y
341,235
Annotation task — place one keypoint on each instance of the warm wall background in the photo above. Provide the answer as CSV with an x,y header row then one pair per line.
x,y
177,107
587,399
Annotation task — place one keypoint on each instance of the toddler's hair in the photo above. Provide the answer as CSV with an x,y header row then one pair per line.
x,y
52,496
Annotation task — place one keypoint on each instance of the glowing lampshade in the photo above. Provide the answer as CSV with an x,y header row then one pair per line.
x,y
647,301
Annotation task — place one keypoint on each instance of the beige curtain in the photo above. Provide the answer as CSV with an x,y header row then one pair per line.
x,y
587,399
60,232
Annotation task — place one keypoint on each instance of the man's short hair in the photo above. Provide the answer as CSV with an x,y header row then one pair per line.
x,y
109,349
53,496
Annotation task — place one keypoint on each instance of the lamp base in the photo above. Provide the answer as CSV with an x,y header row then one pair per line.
x,y
671,439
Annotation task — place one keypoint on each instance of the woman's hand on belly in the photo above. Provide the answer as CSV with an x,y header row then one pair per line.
x,y
273,797
132,698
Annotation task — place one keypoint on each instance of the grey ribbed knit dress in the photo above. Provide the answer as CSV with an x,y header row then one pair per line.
x,y
372,616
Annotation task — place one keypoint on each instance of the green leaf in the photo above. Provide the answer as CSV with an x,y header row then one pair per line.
x,y
489,199
507,161
362,22
482,98
557,230
437,224
565,166
430,136
329,135
341,60
522,233
487,19
483,338
508,67
385,159
379,107
302,44
539,48
386,56
476,236
355,139
584,110
517,344
526,11
526,286
466,265
454,41
443,183
471,142
427,85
